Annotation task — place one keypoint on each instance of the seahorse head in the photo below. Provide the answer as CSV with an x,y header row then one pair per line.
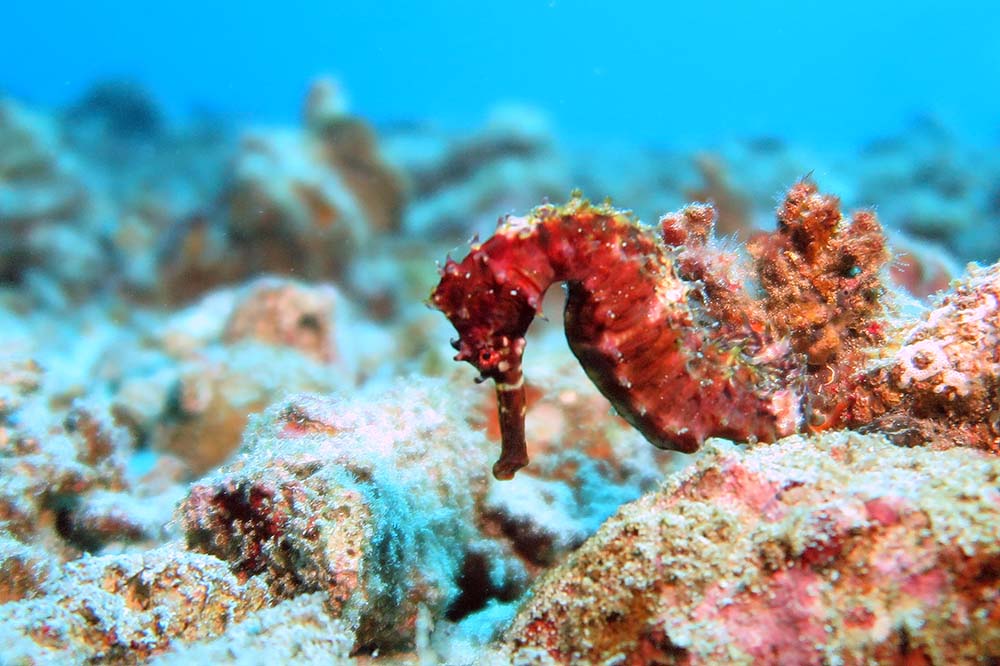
x,y
491,298
490,314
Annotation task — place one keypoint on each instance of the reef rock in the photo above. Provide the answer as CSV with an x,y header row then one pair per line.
x,y
123,608
300,630
53,460
288,314
306,201
836,549
48,233
458,183
938,384
370,501
189,384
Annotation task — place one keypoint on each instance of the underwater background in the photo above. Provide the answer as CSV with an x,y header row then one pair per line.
x,y
654,73
243,245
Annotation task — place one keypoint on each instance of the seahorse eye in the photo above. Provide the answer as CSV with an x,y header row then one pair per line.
x,y
487,357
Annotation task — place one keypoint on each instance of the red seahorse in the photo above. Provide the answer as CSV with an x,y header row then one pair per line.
x,y
664,338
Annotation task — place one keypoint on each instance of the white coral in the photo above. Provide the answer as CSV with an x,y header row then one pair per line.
x,y
921,361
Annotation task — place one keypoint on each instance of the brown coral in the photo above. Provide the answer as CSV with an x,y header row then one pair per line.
x,y
821,274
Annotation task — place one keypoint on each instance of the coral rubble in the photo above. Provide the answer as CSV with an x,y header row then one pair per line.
x,y
286,314
47,226
230,433
299,630
303,202
189,385
122,609
456,184
58,464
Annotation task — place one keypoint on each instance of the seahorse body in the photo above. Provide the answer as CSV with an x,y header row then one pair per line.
x,y
648,338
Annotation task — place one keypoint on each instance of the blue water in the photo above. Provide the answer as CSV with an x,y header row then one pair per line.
x,y
655,72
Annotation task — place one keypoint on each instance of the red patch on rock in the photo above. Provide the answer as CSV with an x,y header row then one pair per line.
x,y
755,492
782,624
926,587
883,510
859,617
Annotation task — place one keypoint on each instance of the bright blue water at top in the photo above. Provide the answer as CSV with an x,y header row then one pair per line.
x,y
661,72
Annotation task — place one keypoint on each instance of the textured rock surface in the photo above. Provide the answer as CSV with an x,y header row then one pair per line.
x,y
53,460
301,631
371,501
839,549
285,313
23,569
122,609
941,383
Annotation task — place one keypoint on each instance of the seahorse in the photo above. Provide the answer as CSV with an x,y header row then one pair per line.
x,y
661,324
